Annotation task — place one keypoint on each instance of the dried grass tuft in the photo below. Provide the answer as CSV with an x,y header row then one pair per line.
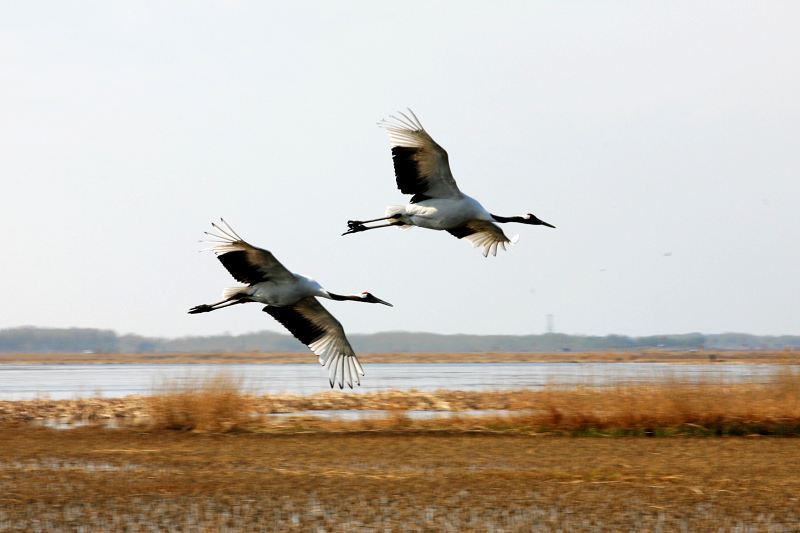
x,y
215,404
219,404
670,408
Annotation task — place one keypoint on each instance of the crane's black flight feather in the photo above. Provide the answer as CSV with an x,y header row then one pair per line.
x,y
410,179
302,328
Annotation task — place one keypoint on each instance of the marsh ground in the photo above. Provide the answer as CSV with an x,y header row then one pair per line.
x,y
92,479
207,457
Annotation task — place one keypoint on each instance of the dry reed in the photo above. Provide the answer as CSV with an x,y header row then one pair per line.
x,y
673,407
214,404
220,404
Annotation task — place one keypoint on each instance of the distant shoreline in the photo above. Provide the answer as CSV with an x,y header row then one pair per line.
x,y
654,356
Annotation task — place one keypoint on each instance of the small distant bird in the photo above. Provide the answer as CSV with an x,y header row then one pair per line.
x,y
291,300
422,169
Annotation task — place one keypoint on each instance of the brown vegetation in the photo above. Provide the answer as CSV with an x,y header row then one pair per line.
x,y
91,479
215,404
205,457
219,405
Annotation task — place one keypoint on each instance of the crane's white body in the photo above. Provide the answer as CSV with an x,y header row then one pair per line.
x,y
440,213
281,293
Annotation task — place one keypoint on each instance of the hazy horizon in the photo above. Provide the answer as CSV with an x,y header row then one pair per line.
x,y
405,332
661,140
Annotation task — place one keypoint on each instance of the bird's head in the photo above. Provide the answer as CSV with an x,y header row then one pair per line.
x,y
370,298
532,219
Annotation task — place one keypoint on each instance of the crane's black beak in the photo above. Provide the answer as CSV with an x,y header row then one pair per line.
x,y
533,219
371,298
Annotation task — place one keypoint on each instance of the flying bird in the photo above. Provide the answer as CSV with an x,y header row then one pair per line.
x,y
290,298
422,169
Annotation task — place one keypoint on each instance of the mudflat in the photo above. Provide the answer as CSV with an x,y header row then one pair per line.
x,y
108,480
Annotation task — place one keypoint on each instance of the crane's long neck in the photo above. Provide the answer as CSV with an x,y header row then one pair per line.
x,y
503,220
363,297
530,218
342,297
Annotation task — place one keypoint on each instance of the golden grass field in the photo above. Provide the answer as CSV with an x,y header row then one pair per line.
x,y
667,457
91,479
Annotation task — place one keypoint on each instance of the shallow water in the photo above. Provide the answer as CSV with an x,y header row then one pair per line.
x,y
21,382
329,414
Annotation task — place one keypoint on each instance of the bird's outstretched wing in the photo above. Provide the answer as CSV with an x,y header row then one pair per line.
x,y
315,327
421,166
483,233
245,262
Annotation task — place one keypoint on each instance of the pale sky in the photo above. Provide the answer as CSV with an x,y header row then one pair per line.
x,y
638,128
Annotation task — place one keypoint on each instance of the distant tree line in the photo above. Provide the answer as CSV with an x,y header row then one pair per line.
x,y
74,340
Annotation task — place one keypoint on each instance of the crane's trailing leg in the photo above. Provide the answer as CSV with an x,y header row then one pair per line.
x,y
359,225
360,222
205,308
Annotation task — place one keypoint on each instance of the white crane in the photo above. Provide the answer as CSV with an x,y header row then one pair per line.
x,y
422,169
291,299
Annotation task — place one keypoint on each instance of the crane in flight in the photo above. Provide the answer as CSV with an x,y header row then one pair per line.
x,y
290,298
422,169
